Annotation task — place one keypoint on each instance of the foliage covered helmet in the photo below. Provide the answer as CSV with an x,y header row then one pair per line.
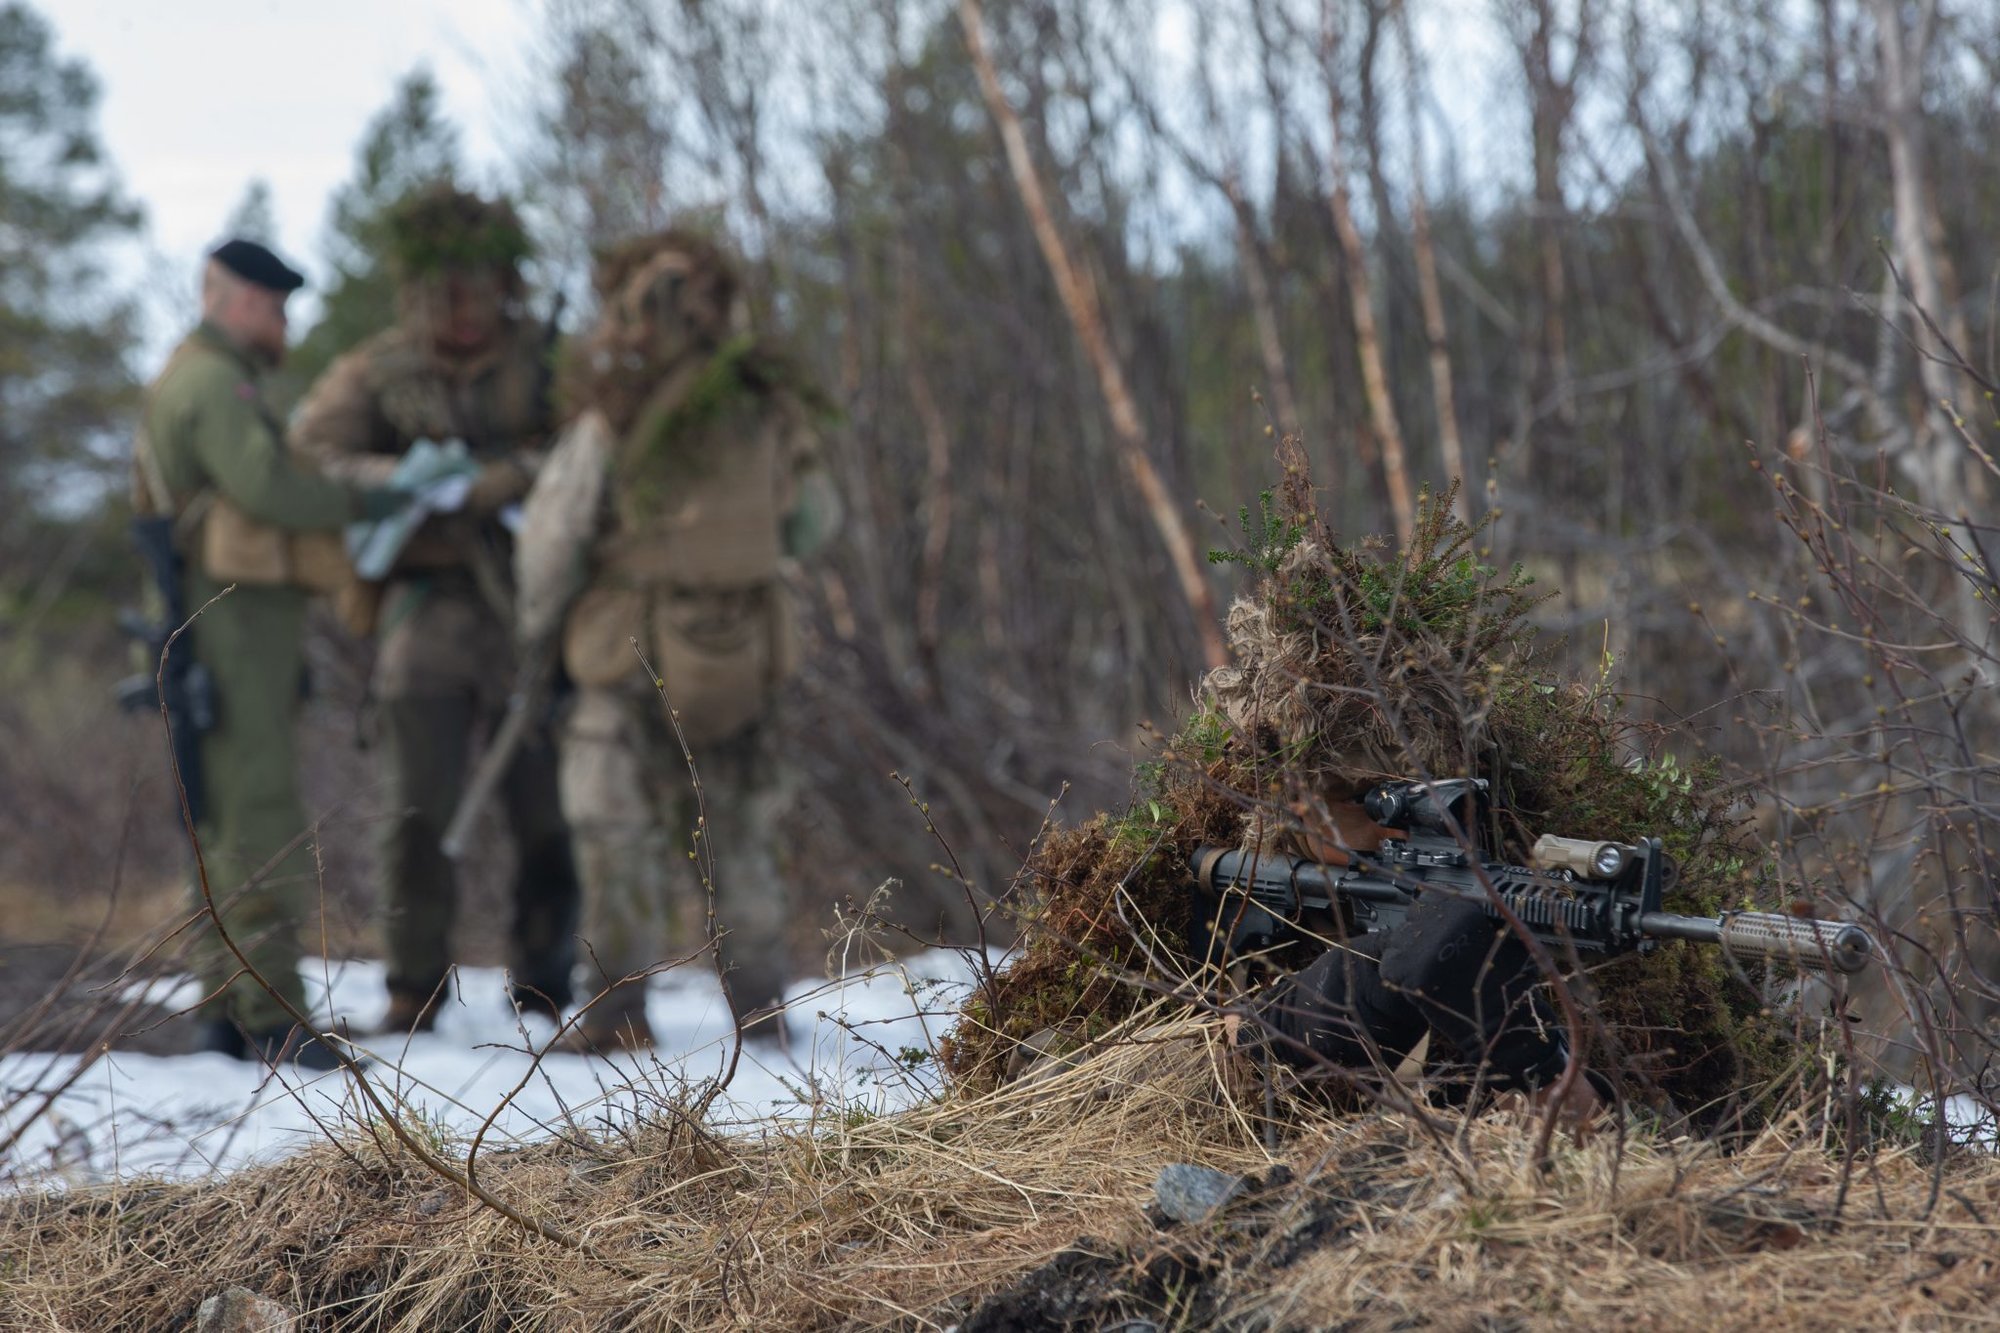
x,y
439,227
670,278
663,299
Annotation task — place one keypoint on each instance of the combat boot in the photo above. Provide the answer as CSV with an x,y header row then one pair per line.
x,y
756,994
295,1046
615,1023
528,998
409,1013
610,1035
219,1036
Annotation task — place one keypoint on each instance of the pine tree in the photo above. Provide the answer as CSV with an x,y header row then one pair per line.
x,y
67,386
255,217
408,143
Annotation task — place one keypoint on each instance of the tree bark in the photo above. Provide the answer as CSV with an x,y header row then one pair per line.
x,y
937,507
1368,342
1264,312
1079,298
1451,449
1934,451
1551,99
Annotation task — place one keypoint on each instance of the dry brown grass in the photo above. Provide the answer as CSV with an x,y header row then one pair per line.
x,y
912,1220
1660,1235
838,1224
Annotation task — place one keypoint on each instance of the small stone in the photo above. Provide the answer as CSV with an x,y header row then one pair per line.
x,y
1189,1193
1046,1053
239,1310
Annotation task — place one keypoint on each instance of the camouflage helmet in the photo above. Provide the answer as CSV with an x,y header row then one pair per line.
x,y
439,227
676,275
662,299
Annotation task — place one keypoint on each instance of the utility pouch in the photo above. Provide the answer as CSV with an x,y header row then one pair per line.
x,y
236,548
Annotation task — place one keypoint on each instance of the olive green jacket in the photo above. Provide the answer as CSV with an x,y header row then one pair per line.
x,y
205,429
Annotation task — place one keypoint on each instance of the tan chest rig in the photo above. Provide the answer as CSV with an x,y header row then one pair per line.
x,y
689,564
231,546
497,403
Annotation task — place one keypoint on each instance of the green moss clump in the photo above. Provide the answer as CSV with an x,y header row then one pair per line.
x,y
439,227
1108,903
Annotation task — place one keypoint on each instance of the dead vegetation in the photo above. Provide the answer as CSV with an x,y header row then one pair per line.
x,y
1031,1207
1024,1197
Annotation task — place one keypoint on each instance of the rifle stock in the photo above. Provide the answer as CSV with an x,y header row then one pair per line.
x,y
525,704
179,685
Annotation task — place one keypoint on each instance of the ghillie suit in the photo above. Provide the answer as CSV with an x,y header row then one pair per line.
x,y
1351,666
688,474
463,362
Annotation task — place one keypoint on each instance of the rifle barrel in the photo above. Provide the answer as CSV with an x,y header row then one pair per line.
x,y
1282,884
1822,946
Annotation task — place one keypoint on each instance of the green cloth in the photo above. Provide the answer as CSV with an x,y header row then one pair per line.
x,y
251,643
374,544
209,427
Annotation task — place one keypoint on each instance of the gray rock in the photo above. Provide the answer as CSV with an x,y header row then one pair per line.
x,y
1189,1193
238,1310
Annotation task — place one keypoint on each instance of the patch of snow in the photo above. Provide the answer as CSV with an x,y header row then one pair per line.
x,y
857,1044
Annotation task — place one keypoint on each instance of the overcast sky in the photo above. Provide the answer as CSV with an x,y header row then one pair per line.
x,y
202,96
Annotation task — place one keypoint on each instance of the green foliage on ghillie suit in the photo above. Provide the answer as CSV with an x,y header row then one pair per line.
x,y
657,393
1351,665
439,227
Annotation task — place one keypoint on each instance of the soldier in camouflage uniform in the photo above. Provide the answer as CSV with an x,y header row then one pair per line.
x,y
463,362
688,474
210,455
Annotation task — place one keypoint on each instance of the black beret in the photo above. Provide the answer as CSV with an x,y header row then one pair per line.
x,y
254,263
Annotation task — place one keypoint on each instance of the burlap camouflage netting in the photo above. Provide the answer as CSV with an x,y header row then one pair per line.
x,y
1352,664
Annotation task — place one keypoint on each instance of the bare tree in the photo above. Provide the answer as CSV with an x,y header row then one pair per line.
x,y
1079,295
1451,449
1540,36
1904,33
1368,342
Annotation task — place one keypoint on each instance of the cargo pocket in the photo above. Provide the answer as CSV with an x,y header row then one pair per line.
x,y
716,656
597,637
236,548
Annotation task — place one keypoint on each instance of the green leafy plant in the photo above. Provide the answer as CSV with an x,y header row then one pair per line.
x,y
1269,537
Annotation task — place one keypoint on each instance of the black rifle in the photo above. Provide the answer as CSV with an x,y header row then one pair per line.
x,y
186,688
1599,897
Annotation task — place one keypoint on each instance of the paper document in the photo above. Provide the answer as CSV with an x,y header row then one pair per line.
x,y
437,478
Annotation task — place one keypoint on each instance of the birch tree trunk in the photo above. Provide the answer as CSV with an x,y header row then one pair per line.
x,y
1079,297
1368,342
1934,453
1936,459
1451,449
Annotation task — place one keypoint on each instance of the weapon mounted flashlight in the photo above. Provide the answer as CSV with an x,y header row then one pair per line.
x,y
1581,857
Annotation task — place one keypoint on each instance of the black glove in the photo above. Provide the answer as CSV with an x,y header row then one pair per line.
x,y
498,485
1475,984
372,504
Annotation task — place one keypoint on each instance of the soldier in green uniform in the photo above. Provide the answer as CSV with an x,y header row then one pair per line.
x,y
688,475
463,362
211,456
